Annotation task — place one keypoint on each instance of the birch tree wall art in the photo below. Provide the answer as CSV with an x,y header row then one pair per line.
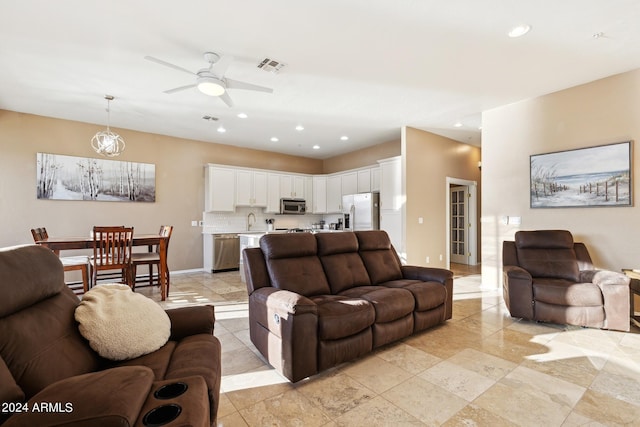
x,y
62,177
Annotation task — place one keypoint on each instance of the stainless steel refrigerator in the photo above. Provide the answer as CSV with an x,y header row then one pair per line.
x,y
363,211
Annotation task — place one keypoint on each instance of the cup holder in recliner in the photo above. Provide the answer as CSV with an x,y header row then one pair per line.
x,y
169,391
161,415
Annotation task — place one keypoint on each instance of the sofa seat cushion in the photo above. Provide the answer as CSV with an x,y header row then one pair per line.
x,y
427,295
390,304
566,293
340,316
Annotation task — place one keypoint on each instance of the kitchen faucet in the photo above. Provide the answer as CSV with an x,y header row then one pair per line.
x,y
249,223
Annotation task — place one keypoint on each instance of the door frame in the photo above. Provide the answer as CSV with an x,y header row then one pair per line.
x,y
472,187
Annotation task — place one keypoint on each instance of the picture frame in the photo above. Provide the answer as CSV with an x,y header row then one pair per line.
x,y
61,177
598,176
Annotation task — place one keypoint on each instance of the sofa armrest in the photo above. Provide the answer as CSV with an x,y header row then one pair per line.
x,y
615,293
284,328
282,301
89,399
426,274
186,321
517,291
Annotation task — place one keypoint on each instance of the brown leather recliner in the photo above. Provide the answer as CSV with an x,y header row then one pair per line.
x,y
550,278
49,375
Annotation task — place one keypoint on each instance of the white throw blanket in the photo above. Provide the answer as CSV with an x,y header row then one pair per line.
x,y
120,324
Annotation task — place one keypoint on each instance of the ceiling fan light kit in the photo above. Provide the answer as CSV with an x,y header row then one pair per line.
x,y
210,86
105,142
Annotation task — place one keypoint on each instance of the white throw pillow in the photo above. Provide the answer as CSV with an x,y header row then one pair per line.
x,y
120,324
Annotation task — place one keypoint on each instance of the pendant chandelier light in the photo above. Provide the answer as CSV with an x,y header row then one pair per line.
x,y
105,142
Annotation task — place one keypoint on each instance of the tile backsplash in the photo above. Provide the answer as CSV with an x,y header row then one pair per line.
x,y
235,222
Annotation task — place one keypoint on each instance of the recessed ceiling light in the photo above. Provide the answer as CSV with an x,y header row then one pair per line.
x,y
316,147
242,115
221,129
519,31
457,124
344,138
274,139
299,128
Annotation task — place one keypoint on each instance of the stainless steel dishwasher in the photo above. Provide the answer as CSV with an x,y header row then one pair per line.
x,y
226,252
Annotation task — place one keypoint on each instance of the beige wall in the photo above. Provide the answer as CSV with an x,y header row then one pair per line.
x,y
601,112
364,157
179,182
429,159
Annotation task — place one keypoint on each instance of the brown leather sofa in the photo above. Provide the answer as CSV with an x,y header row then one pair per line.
x,y
550,278
49,375
317,300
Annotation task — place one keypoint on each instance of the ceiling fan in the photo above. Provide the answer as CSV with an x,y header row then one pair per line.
x,y
211,80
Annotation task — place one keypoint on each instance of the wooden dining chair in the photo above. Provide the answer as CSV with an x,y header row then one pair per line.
x,y
112,251
73,263
150,259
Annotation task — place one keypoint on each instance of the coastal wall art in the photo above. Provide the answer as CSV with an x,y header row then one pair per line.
x,y
587,177
61,177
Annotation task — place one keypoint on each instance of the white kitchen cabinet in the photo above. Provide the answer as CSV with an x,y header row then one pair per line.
x,y
308,193
273,193
391,184
364,181
220,186
334,194
319,194
292,186
375,178
251,188
349,183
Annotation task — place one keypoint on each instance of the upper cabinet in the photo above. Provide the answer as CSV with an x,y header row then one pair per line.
x,y
228,187
391,184
220,185
251,188
319,194
292,186
334,194
349,183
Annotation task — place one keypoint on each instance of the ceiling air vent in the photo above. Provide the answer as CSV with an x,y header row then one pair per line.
x,y
271,65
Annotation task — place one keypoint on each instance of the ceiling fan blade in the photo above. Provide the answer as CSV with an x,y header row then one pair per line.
x,y
221,67
227,99
168,64
178,89
237,84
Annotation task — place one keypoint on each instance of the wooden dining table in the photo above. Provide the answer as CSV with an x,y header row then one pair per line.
x,y
57,244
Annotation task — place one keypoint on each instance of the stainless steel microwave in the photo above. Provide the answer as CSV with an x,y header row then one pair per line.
x,y
293,206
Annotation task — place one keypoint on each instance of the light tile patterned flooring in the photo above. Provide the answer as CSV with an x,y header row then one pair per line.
x,y
481,368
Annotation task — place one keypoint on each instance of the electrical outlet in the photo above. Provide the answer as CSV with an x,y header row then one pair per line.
x,y
440,257
420,220
427,259
194,223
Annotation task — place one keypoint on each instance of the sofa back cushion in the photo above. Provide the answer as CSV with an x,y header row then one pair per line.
x,y
547,253
379,257
293,263
39,338
342,264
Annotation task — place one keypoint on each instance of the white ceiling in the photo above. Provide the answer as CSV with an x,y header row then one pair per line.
x,y
361,68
